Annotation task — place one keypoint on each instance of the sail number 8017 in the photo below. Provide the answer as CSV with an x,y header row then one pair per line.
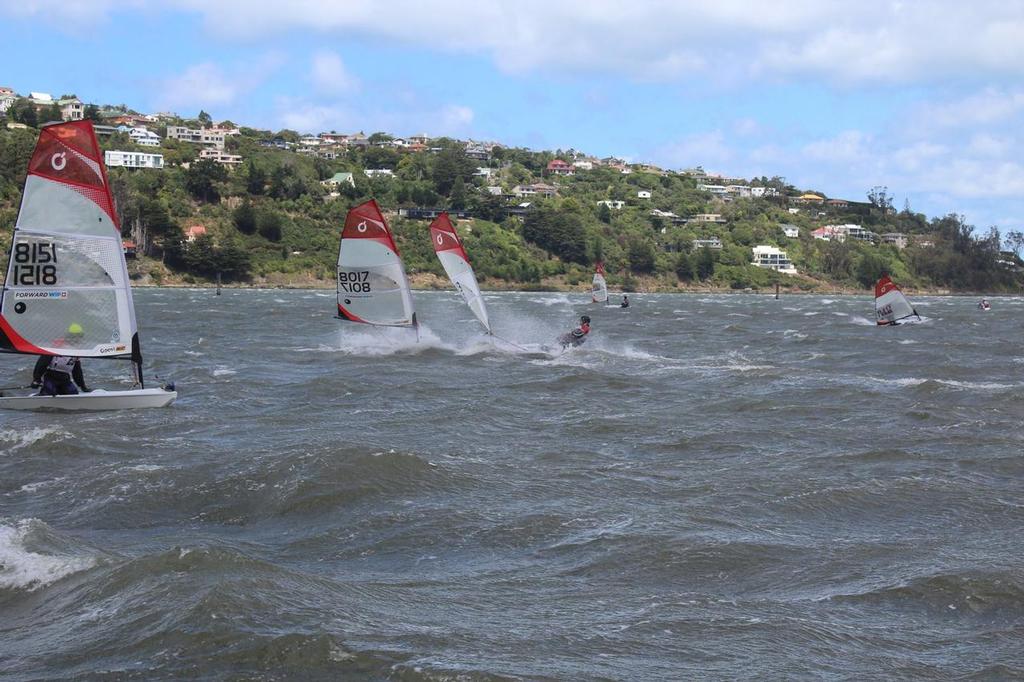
x,y
35,264
354,282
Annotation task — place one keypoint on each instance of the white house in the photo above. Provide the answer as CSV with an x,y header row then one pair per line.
x,y
713,243
144,137
583,165
773,258
339,179
612,203
717,190
212,137
898,239
133,160
380,172
71,109
220,156
791,231
643,194
7,98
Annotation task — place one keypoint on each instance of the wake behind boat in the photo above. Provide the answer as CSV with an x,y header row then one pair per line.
x,y
67,292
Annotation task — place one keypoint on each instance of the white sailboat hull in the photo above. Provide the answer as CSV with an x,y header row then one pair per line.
x,y
97,400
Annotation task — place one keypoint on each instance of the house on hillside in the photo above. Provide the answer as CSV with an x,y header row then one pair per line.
x,y
643,194
773,258
144,137
194,232
120,159
809,198
559,167
791,231
837,203
220,156
339,179
897,239
7,98
713,243
614,204
71,109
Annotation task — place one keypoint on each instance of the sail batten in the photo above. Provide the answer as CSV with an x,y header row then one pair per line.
x,y
453,257
67,290
371,282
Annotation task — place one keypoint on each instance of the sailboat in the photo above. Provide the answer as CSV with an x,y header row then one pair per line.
x,y
67,290
372,286
452,255
891,305
599,288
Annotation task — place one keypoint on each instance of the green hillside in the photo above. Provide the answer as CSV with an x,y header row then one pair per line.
x,y
270,220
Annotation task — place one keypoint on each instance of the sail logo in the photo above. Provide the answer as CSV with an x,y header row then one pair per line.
x,y
440,240
361,226
40,294
59,161
111,349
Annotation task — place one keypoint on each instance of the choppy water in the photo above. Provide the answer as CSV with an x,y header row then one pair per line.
x,y
712,487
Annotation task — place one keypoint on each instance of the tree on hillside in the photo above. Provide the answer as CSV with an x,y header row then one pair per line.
x,y
705,265
450,163
23,111
205,119
560,233
684,267
641,255
459,196
245,217
255,179
202,177
269,225
91,113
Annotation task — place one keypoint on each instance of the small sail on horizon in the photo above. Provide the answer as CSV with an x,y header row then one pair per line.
x,y
372,285
67,269
599,288
891,305
452,254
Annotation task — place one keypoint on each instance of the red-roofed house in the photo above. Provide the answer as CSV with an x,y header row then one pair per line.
x,y
559,167
194,232
129,248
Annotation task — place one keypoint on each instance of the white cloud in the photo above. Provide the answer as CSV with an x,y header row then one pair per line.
x,y
329,75
872,42
208,85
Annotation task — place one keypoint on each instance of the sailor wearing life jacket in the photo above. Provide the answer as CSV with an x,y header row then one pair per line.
x,y
60,374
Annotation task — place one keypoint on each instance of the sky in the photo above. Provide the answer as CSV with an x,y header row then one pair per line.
x,y
923,97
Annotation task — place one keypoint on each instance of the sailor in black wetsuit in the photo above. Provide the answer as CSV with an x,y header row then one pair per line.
x,y
61,374
625,302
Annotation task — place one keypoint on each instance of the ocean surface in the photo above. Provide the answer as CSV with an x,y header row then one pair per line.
x,y
712,487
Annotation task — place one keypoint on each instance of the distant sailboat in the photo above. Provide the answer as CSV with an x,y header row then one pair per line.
x,y
67,291
372,286
891,305
599,288
452,255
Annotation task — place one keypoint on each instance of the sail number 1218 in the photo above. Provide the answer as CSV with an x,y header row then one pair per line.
x,y
354,282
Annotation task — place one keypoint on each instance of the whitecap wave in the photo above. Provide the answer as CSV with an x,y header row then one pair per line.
x,y
24,568
13,439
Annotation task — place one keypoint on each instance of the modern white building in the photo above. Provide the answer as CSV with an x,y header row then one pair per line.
x,y
144,137
773,258
643,194
791,231
380,173
133,160
220,156
212,137
612,203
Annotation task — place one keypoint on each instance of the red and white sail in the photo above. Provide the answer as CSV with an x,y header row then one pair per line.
x,y
599,288
891,305
67,269
452,255
372,286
